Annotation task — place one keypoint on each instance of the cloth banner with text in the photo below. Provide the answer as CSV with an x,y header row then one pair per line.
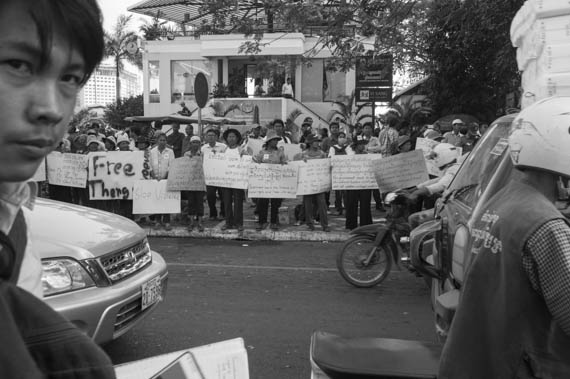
x,y
186,174
221,170
400,171
314,176
153,197
112,174
272,181
65,169
353,172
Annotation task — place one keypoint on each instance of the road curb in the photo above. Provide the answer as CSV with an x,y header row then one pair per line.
x,y
251,235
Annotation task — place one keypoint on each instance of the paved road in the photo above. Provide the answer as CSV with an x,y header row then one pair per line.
x,y
274,295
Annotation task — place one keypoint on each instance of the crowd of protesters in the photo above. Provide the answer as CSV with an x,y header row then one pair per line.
x,y
388,137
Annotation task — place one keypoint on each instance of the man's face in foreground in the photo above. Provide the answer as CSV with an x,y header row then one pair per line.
x,y
36,102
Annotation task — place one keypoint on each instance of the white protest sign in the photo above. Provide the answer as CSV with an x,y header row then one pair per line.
x,y
222,170
186,174
152,197
40,175
352,172
314,176
111,174
254,146
272,181
67,169
290,149
426,146
400,171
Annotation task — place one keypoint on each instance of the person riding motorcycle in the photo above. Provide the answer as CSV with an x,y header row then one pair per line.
x,y
445,157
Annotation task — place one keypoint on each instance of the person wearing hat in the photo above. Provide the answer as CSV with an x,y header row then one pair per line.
x,y
110,143
314,151
123,142
212,146
195,198
453,137
271,154
306,130
359,198
233,197
93,144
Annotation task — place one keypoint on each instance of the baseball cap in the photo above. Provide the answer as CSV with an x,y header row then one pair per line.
x,y
457,121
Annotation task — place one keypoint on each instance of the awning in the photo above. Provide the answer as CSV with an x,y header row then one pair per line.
x,y
185,119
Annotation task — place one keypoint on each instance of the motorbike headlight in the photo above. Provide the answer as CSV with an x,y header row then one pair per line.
x,y
64,275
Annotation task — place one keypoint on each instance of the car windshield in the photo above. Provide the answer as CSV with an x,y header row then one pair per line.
x,y
478,167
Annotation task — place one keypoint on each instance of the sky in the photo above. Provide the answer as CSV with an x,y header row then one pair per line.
x,y
113,8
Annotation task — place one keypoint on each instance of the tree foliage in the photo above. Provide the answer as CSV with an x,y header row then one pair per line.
x,y
473,64
116,112
80,117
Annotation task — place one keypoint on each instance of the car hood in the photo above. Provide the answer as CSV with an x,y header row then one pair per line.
x,y
59,227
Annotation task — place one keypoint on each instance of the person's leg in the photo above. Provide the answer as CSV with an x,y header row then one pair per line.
x,y
211,198
262,205
227,197
351,206
338,201
222,203
365,212
191,208
239,196
308,205
200,209
378,199
323,208
275,204
166,220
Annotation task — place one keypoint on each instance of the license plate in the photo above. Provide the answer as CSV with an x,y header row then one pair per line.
x,y
151,292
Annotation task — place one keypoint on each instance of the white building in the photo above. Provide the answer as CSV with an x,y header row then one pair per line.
x,y
100,89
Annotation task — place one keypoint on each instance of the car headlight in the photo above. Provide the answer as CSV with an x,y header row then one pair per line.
x,y
64,275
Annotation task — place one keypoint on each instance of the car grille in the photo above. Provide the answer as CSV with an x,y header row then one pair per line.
x,y
125,263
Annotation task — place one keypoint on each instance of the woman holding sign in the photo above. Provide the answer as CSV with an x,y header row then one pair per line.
x,y
270,153
359,196
233,197
161,157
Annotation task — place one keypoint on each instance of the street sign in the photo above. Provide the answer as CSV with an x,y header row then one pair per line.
x,y
201,89
374,94
374,72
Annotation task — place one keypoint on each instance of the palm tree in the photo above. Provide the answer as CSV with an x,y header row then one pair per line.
x,y
116,47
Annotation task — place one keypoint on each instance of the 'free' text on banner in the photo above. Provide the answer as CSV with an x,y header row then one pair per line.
x,y
113,173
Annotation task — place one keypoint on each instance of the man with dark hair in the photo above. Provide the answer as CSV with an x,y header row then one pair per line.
x,y
48,50
174,140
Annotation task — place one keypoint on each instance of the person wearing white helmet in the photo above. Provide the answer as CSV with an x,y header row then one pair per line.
x,y
514,316
445,158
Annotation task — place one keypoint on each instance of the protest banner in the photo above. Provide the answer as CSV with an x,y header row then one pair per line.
x,y
186,174
152,197
40,175
111,174
426,146
64,169
290,149
400,171
272,181
314,176
222,170
353,172
254,146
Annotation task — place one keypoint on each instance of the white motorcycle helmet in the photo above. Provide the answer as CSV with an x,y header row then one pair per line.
x,y
444,154
540,136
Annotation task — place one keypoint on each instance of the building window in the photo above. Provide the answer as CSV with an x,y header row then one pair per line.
x,y
154,81
183,74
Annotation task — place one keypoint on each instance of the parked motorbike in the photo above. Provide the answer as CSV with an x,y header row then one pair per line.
x,y
367,257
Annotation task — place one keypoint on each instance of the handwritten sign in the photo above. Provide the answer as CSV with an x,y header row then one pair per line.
x,y
152,197
112,174
222,170
352,172
40,175
186,174
426,145
314,176
254,146
67,169
400,171
272,181
290,149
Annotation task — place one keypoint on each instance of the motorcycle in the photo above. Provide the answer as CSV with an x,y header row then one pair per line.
x,y
336,357
367,258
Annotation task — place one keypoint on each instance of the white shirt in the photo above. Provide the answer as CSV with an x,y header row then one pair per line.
x,y
217,148
160,162
287,89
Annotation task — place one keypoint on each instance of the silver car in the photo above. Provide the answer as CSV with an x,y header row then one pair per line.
x,y
98,268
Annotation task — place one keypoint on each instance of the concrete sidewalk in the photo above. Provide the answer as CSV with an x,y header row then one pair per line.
x,y
288,230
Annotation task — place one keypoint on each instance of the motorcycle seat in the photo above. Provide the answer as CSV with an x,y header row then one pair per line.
x,y
381,358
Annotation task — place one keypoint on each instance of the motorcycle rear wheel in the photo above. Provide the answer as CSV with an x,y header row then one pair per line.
x,y
351,259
